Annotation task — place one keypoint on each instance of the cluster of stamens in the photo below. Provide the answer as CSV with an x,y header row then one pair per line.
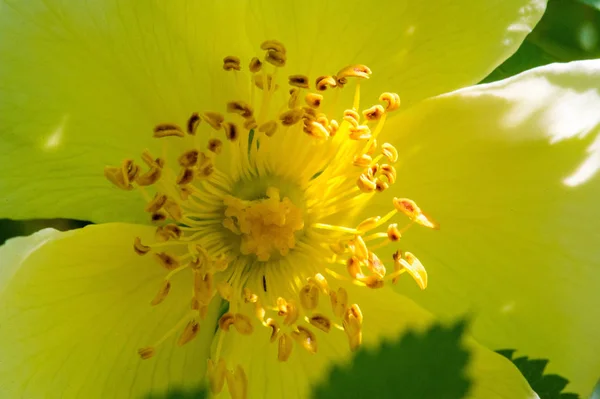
x,y
207,227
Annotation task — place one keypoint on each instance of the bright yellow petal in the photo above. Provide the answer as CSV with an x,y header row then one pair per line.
x,y
416,48
510,172
82,85
75,310
386,316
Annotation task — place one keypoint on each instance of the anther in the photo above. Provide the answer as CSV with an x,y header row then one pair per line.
x,y
237,383
173,209
362,161
353,267
352,117
156,203
168,129
393,232
410,209
325,81
306,338
274,45
225,290
298,81
203,287
313,100
352,325
240,108
260,82
374,113
150,177
321,322
242,324
186,176
231,63
192,123
416,269
231,131
390,152
368,224
250,124
381,186
339,301
373,281
291,117
216,375
171,231
389,172
316,130
140,248
115,176
215,145
255,65
276,58
189,158
309,296
365,184
392,101
130,170
146,353
162,293
320,281
226,321
158,217
360,132
284,347
274,329
249,296
214,119
293,100
206,171
167,261
269,128
355,71
189,332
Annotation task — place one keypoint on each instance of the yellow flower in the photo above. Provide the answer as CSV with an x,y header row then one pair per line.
x,y
275,226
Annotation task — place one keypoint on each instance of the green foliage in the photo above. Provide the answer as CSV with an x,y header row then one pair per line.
x,y
547,386
416,366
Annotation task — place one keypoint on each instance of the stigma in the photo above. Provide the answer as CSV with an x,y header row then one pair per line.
x,y
258,202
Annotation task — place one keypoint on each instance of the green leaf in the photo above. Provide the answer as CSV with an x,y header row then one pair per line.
x,y
529,55
547,386
418,365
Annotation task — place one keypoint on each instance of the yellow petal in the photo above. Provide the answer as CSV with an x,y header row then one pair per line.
x,y
416,48
386,315
83,85
510,171
76,309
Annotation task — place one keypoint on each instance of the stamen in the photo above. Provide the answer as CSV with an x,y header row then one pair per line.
x,y
284,347
189,333
313,100
162,293
325,81
216,375
168,129
298,81
255,65
192,123
214,119
231,63
234,215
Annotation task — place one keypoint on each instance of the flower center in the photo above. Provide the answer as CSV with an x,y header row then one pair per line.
x,y
259,204
267,226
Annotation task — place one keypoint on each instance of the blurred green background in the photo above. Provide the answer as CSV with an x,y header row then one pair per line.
x,y
570,30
